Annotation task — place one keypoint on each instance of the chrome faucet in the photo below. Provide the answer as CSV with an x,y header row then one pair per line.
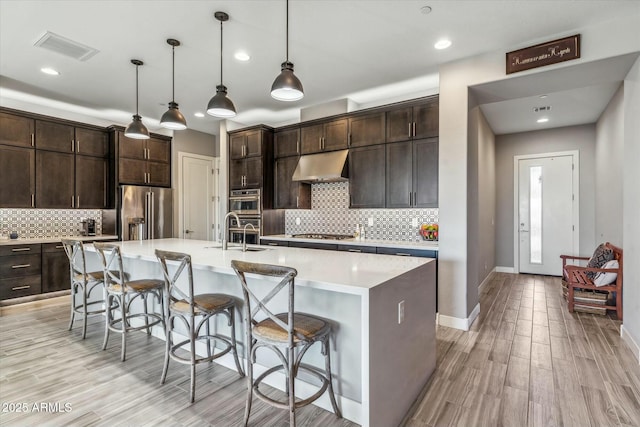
x,y
244,235
226,228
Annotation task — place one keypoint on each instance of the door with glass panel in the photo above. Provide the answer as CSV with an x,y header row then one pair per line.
x,y
546,212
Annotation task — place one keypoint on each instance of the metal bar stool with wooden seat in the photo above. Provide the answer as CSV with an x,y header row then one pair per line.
x,y
121,293
282,333
83,284
187,307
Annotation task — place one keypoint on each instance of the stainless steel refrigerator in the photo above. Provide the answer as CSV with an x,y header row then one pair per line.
x,y
145,213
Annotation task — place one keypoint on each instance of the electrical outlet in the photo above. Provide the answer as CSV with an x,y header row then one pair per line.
x,y
370,222
414,222
400,312
297,221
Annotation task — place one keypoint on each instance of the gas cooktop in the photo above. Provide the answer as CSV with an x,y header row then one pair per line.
x,y
323,236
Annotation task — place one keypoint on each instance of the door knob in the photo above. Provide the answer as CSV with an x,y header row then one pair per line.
x,y
188,231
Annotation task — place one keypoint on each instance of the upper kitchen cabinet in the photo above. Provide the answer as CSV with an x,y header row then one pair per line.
x,y
246,144
287,143
55,136
55,185
367,130
413,122
412,174
327,136
143,161
90,142
17,177
16,130
290,194
366,177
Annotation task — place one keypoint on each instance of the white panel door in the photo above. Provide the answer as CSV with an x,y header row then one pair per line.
x,y
546,207
197,196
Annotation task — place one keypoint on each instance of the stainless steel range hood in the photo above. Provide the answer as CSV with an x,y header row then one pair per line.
x,y
322,167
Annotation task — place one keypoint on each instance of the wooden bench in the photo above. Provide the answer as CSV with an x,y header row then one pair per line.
x,y
576,278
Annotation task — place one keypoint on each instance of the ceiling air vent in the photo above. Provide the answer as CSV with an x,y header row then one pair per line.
x,y
65,46
540,109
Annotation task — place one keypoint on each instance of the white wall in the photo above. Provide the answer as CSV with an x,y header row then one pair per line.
x,y
631,206
581,138
609,163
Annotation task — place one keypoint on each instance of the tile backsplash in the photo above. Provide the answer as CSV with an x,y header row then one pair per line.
x,y
42,223
330,213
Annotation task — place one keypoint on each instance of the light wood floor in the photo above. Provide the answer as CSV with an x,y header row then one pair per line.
x,y
526,362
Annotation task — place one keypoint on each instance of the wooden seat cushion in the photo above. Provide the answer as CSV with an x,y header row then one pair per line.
x,y
96,276
142,285
204,303
308,326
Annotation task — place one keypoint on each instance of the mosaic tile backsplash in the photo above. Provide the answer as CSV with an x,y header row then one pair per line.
x,y
42,223
330,213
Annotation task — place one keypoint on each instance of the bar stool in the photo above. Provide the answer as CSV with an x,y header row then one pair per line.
x,y
187,307
82,284
282,333
121,293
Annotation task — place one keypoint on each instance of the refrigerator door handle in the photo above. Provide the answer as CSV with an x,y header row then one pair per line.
x,y
152,226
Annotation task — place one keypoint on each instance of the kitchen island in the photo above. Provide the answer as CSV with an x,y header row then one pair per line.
x,y
382,308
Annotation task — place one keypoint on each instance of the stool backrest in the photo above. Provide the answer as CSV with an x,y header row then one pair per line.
x,y
171,291
112,264
77,263
255,308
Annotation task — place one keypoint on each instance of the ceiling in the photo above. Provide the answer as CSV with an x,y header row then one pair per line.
x,y
368,51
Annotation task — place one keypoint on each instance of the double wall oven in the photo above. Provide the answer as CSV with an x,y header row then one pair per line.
x,y
248,206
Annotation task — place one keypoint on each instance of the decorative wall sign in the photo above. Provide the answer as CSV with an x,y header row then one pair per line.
x,y
543,54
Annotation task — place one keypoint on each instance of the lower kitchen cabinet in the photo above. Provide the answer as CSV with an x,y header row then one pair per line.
x,y
20,270
55,268
367,177
268,242
358,249
17,177
313,245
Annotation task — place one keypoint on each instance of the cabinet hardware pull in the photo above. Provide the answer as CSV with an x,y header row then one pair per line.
x,y
415,198
272,244
297,201
349,140
414,128
32,142
33,203
320,141
20,249
77,201
18,288
73,145
298,146
73,202
77,145
355,250
59,247
410,198
402,254
409,128
21,266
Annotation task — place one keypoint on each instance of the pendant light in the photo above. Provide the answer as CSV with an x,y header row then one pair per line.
x,y
136,129
173,118
220,105
287,87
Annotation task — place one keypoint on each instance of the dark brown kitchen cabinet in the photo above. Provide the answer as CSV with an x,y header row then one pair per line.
x,y
16,130
91,182
245,173
290,194
287,143
328,136
20,269
367,130
17,177
143,161
246,144
55,268
90,142
55,136
413,122
366,177
55,180
412,174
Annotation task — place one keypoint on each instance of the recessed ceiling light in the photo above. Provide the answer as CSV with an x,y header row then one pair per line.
x,y
50,71
242,56
198,114
543,120
543,96
442,44
426,10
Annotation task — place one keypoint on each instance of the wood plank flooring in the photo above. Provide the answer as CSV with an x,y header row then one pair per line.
x,y
525,362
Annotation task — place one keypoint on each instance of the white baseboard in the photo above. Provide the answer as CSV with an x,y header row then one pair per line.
x,y
458,323
628,339
505,270
486,279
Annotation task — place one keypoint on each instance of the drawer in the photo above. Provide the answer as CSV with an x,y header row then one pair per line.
x,y
20,265
19,249
355,248
409,252
312,245
19,287
52,247
274,242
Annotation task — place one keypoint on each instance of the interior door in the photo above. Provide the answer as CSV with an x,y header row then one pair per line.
x,y
197,197
546,214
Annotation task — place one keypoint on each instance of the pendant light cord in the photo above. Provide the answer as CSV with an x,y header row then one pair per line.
x,y
221,80
287,31
137,90
173,75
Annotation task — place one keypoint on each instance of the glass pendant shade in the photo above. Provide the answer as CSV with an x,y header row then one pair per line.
x,y
287,87
220,105
173,118
136,129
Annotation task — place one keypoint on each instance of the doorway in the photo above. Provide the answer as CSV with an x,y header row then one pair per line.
x,y
198,214
545,211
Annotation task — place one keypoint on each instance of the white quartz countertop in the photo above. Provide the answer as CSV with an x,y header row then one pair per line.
x,y
345,272
395,244
23,241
